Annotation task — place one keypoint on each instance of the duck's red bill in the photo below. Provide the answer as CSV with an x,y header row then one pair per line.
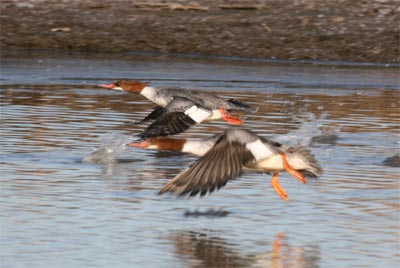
x,y
112,85
140,144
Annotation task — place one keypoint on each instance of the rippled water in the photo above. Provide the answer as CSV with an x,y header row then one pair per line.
x,y
60,211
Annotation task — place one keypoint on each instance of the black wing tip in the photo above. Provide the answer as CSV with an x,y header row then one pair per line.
x,y
185,192
168,187
153,115
243,106
309,174
161,192
170,124
151,134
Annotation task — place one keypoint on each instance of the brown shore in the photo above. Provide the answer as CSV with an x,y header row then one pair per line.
x,y
336,30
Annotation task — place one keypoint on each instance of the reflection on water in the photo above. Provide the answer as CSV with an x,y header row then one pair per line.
x,y
209,251
197,249
74,196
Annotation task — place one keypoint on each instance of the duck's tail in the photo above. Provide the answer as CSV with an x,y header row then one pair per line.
x,y
238,105
301,159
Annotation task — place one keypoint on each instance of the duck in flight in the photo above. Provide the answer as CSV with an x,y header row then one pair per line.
x,y
224,156
178,109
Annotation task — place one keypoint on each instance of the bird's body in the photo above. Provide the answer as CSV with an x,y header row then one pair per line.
x,y
225,155
178,109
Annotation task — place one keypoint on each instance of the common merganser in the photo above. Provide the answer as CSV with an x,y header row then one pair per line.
x,y
178,109
225,155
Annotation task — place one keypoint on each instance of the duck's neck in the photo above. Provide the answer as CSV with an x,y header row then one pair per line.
x,y
150,93
165,143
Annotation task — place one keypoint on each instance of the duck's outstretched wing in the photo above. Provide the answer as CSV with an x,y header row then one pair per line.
x,y
223,162
157,112
178,116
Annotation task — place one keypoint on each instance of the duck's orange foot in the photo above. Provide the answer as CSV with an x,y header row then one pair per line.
x,y
139,144
229,118
291,171
278,188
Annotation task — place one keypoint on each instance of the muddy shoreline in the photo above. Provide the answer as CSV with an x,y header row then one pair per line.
x,y
342,30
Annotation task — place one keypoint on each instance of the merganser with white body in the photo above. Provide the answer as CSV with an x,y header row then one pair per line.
x,y
225,155
178,109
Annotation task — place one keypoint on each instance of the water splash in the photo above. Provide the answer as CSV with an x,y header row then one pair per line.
x,y
312,130
111,147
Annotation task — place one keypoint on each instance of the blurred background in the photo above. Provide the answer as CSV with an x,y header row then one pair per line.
x,y
324,74
338,30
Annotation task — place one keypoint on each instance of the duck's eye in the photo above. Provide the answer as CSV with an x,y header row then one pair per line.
x,y
117,84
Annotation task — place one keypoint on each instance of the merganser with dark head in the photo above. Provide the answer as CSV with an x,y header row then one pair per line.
x,y
225,155
178,109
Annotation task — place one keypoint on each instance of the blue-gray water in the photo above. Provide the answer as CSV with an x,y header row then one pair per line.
x,y
60,211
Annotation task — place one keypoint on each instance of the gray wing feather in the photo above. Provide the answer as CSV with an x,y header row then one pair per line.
x,y
222,163
171,119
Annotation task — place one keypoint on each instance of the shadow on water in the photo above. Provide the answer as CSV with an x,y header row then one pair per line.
x,y
196,249
392,161
210,213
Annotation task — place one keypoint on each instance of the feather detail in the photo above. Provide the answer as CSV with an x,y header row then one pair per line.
x,y
220,164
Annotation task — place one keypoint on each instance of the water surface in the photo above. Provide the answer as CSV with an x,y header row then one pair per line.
x,y
60,211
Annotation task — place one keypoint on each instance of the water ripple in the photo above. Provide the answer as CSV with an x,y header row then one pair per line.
x,y
105,212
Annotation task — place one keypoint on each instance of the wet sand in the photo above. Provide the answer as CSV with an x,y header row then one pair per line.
x,y
345,30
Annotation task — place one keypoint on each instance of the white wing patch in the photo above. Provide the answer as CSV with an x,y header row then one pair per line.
x,y
197,114
197,147
259,150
